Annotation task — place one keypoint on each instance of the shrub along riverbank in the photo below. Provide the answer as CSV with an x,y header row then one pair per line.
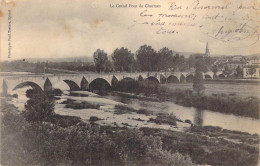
x,y
74,142
78,143
224,103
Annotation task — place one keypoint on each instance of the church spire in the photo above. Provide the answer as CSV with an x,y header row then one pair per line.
x,y
207,53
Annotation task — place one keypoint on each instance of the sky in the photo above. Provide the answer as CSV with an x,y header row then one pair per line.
x,y
65,28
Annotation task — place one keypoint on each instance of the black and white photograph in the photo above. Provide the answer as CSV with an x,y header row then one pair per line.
x,y
129,82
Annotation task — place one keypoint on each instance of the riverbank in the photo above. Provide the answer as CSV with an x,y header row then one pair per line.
x,y
224,103
233,81
74,142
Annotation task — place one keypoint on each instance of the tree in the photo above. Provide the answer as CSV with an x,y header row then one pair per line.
x,y
251,71
123,59
147,58
239,72
100,59
165,57
39,67
108,66
179,62
135,66
208,61
191,61
227,71
214,70
198,82
200,65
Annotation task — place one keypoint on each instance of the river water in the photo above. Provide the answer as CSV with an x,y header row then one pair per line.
x,y
107,104
198,117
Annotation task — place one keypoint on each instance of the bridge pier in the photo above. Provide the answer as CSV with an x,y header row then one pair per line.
x,y
4,88
84,84
114,82
140,78
47,85
182,79
163,79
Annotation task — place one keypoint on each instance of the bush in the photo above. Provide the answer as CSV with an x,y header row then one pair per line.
x,y
127,85
44,143
233,157
165,119
26,143
122,109
82,105
147,87
144,111
63,120
39,107
93,119
137,149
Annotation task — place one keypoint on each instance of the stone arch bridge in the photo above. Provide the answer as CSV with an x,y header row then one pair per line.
x,y
83,81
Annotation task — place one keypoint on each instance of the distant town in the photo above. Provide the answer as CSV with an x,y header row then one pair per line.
x,y
145,59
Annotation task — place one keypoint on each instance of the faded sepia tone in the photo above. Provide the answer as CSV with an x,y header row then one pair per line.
x,y
68,28
130,82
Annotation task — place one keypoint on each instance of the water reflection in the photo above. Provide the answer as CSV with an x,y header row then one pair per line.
x,y
198,117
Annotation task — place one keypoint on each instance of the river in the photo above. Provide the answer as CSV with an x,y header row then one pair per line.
x,y
107,106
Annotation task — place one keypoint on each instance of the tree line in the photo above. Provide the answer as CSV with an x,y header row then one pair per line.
x,y
145,59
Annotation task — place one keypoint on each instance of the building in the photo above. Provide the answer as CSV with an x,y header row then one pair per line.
x,y
207,53
252,68
255,73
235,64
254,61
237,58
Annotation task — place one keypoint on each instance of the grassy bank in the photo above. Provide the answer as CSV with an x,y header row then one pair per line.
x,y
205,148
235,81
78,143
66,140
223,103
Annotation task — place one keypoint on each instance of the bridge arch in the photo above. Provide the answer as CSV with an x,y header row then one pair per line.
x,y
153,79
62,85
127,85
73,86
221,76
99,84
28,83
207,76
189,78
172,79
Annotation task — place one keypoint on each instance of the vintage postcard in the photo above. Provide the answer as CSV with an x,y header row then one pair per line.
x,y
130,82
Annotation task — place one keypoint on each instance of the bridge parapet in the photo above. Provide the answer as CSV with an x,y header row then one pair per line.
x,y
57,81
